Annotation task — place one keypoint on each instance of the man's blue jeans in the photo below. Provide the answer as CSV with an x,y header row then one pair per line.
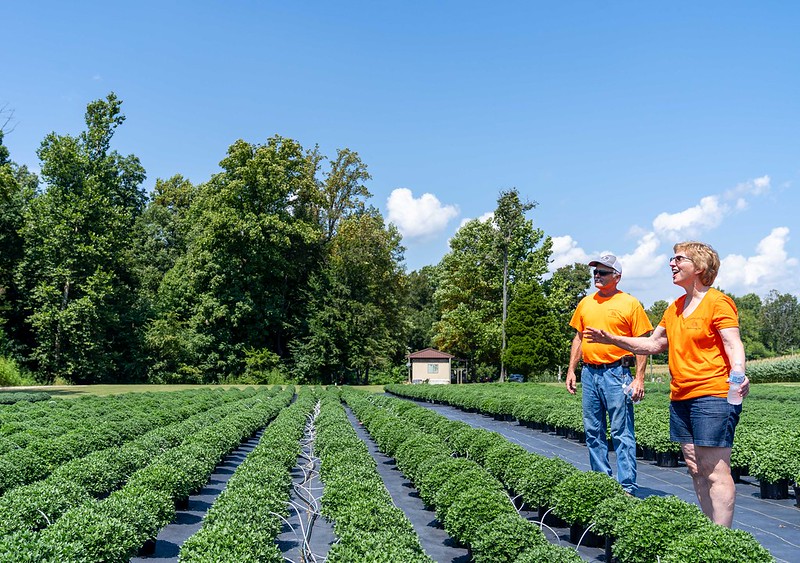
x,y
602,393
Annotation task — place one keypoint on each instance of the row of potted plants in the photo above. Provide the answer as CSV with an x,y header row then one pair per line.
x,y
469,500
367,524
584,499
95,429
245,520
767,443
115,528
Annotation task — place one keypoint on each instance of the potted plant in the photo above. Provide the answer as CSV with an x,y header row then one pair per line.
x,y
607,516
577,497
504,538
716,544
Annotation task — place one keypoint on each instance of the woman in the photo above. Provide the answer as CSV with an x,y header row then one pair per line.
x,y
701,330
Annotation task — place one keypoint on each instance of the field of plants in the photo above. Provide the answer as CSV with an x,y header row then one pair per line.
x,y
96,478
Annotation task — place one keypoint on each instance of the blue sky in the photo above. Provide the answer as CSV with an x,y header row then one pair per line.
x,y
632,125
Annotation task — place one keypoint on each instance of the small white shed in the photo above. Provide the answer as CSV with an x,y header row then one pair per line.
x,y
430,366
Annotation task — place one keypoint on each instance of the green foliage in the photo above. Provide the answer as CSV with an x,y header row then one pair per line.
x,y
504,538
535,339
474,507
777,371
646,531
577,497
716,544
549,553
608,513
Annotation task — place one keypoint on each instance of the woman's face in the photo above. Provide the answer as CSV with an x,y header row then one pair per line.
x,y
683,269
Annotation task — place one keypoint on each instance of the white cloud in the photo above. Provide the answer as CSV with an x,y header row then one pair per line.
x,y
566,252
691,222
768,268
644,261
421,217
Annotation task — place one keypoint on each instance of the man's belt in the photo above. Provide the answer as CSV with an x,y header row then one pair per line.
x,y
625,361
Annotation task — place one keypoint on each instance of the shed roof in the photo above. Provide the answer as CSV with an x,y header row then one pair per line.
x,y
430,354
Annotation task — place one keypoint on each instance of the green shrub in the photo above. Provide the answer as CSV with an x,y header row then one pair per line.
x,y
474,507
504,538
647,529
577,497
455,484
378,547
549,553
33,507
431,481
610,512
536,484
716,544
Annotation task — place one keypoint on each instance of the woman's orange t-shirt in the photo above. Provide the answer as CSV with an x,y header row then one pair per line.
x,y
697,361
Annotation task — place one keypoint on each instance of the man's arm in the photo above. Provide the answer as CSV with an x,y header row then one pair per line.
x,y
574,357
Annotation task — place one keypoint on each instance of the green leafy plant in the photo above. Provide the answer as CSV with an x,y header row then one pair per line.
x,y
577,497
646,531
548,553
504,538
472,508
716,544
609,513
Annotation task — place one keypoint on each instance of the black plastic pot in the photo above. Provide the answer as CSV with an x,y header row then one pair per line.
x,y
778,490
667,459
578,533
797,494
609,553
648,454
551,519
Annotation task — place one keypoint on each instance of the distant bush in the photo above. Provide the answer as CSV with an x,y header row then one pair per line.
x,y
11,375
775,371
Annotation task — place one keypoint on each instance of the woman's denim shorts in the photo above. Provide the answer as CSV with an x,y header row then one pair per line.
x,y
703,421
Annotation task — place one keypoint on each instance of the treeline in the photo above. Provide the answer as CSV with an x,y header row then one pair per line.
x,y
275,269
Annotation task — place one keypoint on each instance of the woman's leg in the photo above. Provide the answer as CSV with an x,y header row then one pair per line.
x,y
710,469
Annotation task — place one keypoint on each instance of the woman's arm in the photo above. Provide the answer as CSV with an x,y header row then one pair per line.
x,y
734,349
644,345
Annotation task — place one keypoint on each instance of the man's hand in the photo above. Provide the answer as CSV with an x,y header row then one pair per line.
x,y
571,381
637,390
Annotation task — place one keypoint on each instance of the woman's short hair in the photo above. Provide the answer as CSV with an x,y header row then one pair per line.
x,y
703,256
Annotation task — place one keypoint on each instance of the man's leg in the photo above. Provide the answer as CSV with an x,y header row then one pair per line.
x,y
710,469
620,414
594,421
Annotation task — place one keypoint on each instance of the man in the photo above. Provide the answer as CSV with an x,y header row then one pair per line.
x,y
606,370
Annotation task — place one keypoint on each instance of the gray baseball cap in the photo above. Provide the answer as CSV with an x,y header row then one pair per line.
x,y
609,261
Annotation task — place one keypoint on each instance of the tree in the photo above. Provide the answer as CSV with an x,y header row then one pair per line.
x,y
535,338
781,314
483,257
250,248
343,191
564,290
751,325
420,308
76,268
17,189
355,304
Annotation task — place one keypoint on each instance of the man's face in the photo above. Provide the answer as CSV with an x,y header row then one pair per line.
x,y
604,277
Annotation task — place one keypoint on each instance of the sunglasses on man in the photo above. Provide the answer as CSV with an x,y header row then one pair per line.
x,y
603,273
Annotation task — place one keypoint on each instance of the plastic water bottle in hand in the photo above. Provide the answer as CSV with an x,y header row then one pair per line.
x,y
735,380
628,391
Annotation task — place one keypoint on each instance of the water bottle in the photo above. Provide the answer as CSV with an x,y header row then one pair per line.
x,y
735,380
628,391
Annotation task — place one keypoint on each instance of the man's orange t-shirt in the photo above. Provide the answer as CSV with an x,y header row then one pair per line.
x,y
697,361
620,314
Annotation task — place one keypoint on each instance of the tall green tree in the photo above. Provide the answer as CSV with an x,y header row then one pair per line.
x,y
355,321
420,309
535,338
76,268
483,257
564,290
17,189
751,325
781,314
251,246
